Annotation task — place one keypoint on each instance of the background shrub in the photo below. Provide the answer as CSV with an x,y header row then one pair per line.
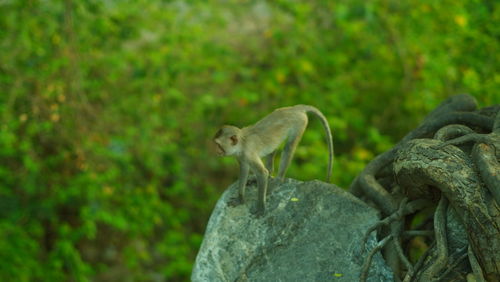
x,y
107,110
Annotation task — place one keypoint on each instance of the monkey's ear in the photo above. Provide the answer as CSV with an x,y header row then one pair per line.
x,y
234,140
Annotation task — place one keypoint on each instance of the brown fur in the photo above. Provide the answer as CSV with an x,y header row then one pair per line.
x,y
262,139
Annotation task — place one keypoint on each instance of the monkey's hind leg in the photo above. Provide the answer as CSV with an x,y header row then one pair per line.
x,y
290,146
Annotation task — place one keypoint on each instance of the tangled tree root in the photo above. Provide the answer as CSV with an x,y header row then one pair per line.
x,y
449,162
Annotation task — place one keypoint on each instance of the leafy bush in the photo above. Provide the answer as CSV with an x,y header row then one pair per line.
x,y
108,108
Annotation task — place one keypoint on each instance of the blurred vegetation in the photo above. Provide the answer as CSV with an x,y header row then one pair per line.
x,y
108,107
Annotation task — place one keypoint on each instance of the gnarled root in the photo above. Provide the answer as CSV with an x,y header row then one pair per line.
x,y
459,168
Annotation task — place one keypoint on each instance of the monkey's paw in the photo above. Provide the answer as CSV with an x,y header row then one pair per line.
x,y
236,201
252,180
258,211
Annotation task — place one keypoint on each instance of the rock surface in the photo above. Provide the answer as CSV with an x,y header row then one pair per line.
x,y
311,231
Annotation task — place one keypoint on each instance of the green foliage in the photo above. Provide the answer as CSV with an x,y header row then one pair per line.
x,y
108,107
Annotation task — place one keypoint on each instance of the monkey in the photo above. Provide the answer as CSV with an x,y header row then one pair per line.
x,y
250,144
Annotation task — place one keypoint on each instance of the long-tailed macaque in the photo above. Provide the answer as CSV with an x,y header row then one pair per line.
x,y
250,143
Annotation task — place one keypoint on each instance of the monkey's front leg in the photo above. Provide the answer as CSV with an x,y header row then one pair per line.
x,y
242,181
270,162
262,179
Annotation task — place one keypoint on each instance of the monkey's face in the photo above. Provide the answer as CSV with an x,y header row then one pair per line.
x,y
226,146
219,149
226,141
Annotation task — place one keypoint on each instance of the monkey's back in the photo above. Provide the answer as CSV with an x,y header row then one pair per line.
x,y
274,128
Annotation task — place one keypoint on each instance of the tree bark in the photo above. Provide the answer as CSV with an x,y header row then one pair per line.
x,y
452,159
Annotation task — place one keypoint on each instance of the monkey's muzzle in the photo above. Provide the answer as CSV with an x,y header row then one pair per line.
x,y
220,151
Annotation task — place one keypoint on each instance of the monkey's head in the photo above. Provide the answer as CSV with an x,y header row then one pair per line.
x,y
227,140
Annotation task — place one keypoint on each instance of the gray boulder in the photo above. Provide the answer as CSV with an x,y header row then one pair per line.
x,y
311,231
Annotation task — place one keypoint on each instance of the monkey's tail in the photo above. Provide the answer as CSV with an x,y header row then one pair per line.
x,y
326,126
